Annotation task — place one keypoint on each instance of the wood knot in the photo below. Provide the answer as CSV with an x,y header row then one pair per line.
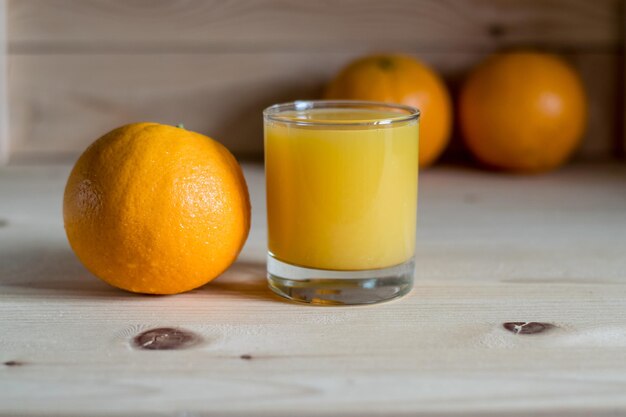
x,y
166,338
527,327
13,363
246,357
496,30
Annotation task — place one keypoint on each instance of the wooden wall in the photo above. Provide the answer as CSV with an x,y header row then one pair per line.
x,y
78,68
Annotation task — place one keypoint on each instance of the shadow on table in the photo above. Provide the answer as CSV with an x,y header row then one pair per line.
x,y
49,271
54,272
244,279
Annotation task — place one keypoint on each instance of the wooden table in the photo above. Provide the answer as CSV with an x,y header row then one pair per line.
x,y
493,249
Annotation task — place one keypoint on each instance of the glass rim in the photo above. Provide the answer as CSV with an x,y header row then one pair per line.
x,y
273,112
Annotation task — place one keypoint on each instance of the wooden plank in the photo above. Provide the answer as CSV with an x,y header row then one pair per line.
x,y
600,74
218,94
243,25
4,93
492,249
60,103
620,147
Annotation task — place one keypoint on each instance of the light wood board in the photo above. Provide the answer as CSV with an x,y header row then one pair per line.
x,y
61,103
492,249
98,25
213,65
621,148
4,90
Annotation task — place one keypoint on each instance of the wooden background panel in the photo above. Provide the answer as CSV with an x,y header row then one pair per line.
x,y
79,68
294,24
60,103
4,132
620,148
221,95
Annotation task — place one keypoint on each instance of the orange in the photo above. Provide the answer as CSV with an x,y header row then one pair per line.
x,y
523,111
156,209
405,80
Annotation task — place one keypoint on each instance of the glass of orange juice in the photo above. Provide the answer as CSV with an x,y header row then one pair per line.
x,y
341,200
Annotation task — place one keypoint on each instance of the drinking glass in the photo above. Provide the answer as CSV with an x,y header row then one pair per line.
x,y
341,200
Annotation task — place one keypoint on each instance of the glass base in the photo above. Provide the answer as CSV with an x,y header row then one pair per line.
x,y
327,287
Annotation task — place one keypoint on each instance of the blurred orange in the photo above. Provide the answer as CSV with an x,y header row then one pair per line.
x,y
401,79
523,111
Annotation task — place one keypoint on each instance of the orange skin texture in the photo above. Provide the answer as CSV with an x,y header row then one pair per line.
x,y
401,79
156,209
523,111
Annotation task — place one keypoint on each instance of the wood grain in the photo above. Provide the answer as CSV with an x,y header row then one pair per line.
x,y
213,65
492,249
217,94
430,25
620,147
4,93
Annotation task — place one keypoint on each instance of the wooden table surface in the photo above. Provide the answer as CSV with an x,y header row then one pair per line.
x,y
493,249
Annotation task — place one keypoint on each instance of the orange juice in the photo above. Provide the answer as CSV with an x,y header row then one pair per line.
x,y
341,188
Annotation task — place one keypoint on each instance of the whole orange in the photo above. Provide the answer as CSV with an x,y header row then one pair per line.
x,y
401,79
156,209
523,111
